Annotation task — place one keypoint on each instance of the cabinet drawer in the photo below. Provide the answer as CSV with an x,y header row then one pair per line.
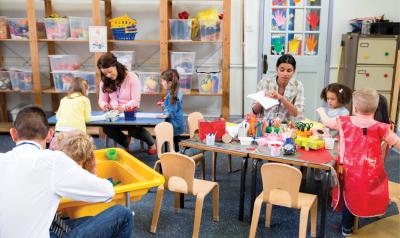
x,y
376,51
376,77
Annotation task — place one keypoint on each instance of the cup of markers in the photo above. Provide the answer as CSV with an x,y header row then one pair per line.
x,y
130,113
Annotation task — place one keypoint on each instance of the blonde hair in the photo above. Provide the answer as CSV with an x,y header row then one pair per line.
x,y
78,85
366,101
78,146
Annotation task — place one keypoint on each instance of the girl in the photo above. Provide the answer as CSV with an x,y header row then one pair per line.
x,y
79,147
173,103
74,110
336,96
119,89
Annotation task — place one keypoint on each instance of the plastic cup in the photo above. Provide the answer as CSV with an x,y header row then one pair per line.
x,y
276,150
329,143
111,154
210,139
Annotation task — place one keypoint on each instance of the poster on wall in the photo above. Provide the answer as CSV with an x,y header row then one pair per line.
x,y
97,39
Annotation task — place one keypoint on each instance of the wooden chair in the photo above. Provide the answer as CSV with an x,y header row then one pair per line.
x,y
193,126
394,188
281,184
164,132
178,170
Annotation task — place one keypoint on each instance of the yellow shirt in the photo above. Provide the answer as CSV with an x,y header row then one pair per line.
x,y
74,112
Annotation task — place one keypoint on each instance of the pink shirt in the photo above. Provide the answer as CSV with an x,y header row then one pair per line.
x,y
127,95
363,121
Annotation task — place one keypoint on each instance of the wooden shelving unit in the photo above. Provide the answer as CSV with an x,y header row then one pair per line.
x,y
164,43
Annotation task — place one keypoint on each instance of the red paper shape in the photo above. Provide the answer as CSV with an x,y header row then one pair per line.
x,y
183,15
313,19
321,156
212,127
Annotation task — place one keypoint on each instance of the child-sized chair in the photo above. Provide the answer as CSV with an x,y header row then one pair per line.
x,y
178,170
165,134
281,184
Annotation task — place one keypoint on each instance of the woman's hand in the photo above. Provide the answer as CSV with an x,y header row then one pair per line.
x,y
273,94
120,108
107,107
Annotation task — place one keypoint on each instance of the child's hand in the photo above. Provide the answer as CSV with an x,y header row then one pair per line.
x,y
320,110
162,116
160,103
120,108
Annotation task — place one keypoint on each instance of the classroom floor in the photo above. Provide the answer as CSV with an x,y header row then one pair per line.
x,y
284,222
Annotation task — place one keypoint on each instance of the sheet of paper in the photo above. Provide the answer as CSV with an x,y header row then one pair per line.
x,y
97,39
98,118
266,102
148,115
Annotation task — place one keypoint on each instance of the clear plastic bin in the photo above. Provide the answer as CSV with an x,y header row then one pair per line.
x,y
134,176
3,27
126,58
209,82
5,80
57,28
183,62
181,29
210,30
21,80
64,62
150,82
63,80
185,83
18,28
79,27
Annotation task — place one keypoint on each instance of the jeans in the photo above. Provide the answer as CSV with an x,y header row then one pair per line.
x,y
347,220
115,222
137,132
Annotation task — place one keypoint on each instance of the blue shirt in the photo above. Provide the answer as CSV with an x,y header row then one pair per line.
x,y
335,112
175,113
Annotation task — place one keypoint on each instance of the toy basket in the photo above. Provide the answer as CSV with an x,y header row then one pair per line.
x,y
123,28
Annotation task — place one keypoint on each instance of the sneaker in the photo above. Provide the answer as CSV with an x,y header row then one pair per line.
x,y
347,232
152,151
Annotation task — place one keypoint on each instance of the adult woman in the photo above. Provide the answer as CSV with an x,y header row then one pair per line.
x,y
119,89
285,88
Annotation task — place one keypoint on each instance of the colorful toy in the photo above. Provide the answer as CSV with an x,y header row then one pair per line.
x,y
150,82
111,154
5,81
18,28
310,142
79,27
57,27
123,28
209,82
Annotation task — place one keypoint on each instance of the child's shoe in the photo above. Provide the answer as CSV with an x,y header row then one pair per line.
x,y
347,232
152,151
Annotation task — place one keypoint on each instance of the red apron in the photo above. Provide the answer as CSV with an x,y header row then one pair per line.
x,y
363,184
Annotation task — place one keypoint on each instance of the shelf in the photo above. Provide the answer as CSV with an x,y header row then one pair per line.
x,y
15,40
52,90
5,127
69,41
13,91
194,42
136,41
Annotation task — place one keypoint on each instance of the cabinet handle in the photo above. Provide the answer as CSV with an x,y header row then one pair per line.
x,y
364,44
385,75
366,74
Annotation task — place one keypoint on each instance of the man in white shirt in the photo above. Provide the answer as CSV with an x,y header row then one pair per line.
x,y
33,180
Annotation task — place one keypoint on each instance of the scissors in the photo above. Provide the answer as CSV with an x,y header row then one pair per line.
x,y
303,126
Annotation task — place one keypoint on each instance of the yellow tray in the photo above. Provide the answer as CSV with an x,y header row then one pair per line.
x,y
310,142
135,177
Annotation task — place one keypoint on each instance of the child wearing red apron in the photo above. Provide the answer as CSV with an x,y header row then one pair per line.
x,y
363,187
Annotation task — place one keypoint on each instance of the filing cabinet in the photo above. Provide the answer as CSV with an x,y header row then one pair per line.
x,y
368,61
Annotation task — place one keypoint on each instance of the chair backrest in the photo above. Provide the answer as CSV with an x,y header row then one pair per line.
x,y
178,170
193,122
282,177
164,134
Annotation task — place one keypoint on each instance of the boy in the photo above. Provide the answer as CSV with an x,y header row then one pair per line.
x,y
365,183
33,180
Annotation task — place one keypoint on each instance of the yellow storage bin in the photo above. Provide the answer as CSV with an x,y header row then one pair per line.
x,y
310,142
135,177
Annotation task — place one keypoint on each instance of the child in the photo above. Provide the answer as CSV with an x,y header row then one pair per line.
x,y
360,163
74,110
336,96
173,103
79,147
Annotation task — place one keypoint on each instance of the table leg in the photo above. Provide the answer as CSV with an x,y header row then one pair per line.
x,y
242,187
214,166
324,202
182,200
254,171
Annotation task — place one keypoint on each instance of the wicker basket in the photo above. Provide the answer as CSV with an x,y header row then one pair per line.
x,y
123,28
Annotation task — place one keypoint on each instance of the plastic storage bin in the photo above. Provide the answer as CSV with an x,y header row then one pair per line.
x,y
63,80
18,28
210,30
209,82
79,27
21,80
5,80
64,62
126,58
150,82
181,29
3,27
134,176
57,28
183,62
185,83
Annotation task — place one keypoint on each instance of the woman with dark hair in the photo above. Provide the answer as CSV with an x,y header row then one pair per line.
x,y
285,88
120,89
382,113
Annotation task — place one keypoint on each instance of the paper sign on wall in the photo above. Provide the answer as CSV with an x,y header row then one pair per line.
x,y
97,39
